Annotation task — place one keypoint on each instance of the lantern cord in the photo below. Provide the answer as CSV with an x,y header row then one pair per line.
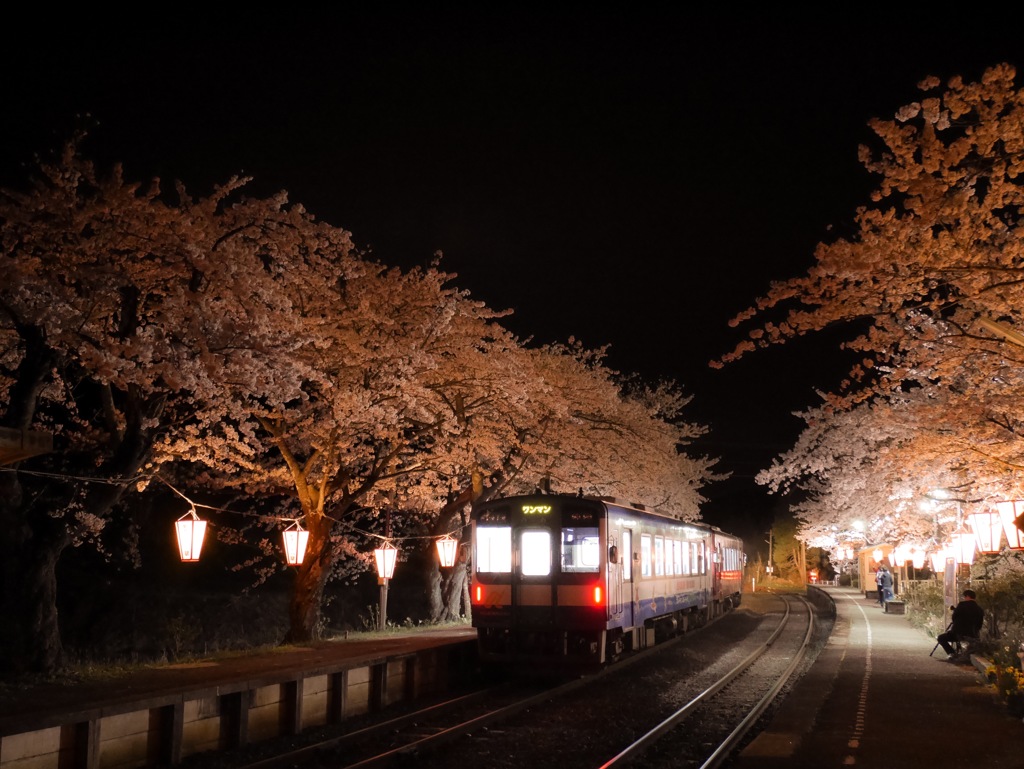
x,y
454,533
83,478
198,505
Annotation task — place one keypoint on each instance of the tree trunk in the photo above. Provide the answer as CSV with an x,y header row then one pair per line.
x,y
454,589
304,609
304,606
445,592
435,605
45,652
30,633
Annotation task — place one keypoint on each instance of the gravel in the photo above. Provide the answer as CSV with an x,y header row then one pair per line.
x,y
593,723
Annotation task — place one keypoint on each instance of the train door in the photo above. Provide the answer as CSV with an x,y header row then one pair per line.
x,y
717,566
625,577
614,576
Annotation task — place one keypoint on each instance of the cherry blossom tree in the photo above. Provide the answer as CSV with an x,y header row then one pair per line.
x,y
123,313
931,285
366,438
872,474
419,402
556,417
244,346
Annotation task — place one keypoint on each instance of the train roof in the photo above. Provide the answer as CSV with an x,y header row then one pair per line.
x,y
638,506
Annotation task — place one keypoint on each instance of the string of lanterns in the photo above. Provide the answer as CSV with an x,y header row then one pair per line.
x,y
988,530
190,531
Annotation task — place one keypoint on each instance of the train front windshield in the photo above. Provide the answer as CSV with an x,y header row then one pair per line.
x,y
579,550
494,549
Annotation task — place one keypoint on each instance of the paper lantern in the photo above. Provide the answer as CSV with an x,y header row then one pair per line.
x,y
988,530
962,547
447,548
900,555
295,539
917,558
939,560
1009,512
190,532
386,557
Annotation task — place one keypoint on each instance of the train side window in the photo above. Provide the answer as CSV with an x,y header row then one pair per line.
x,y
659,556
645,555
535,547
677,557
580,549
494,549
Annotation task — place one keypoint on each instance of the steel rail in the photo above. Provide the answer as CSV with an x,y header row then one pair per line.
x,y
317,750
651,737
729,743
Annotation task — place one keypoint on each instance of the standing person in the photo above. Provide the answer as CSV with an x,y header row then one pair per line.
x,y
968,617
883,579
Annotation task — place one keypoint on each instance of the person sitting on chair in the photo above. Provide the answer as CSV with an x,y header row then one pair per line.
x,y
968,617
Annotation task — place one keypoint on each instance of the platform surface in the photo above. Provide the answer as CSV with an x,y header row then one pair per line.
x,y
875,699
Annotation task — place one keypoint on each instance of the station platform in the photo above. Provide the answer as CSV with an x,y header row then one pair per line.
x,y
875,698
52,703
154,717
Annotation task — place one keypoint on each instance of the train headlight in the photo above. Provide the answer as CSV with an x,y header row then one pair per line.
x,y
598,595
478,594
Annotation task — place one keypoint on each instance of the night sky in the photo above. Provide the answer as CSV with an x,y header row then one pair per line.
x,y
632,179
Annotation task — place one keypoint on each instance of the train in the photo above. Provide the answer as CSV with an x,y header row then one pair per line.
x,y
570,581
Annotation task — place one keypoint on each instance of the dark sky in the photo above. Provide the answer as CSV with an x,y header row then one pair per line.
x,y
629,178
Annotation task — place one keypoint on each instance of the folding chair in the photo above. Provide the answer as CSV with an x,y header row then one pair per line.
x,y
948,628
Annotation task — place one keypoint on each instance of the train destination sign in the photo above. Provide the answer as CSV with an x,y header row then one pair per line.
x,y
536,509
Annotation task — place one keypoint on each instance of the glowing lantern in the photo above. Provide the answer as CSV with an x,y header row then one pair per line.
x,y
962,547
446,550
939,560
900,555
190,532
988,530
917,558
386,556
295,539
1009,512
877,554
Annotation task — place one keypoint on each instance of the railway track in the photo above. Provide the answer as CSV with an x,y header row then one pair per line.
x,y
762,687
406,735
430,728
510,725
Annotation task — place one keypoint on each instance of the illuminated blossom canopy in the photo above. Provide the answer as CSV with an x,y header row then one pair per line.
x,y
240,347
932,282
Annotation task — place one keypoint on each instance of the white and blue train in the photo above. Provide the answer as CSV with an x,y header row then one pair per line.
x,y
572,579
